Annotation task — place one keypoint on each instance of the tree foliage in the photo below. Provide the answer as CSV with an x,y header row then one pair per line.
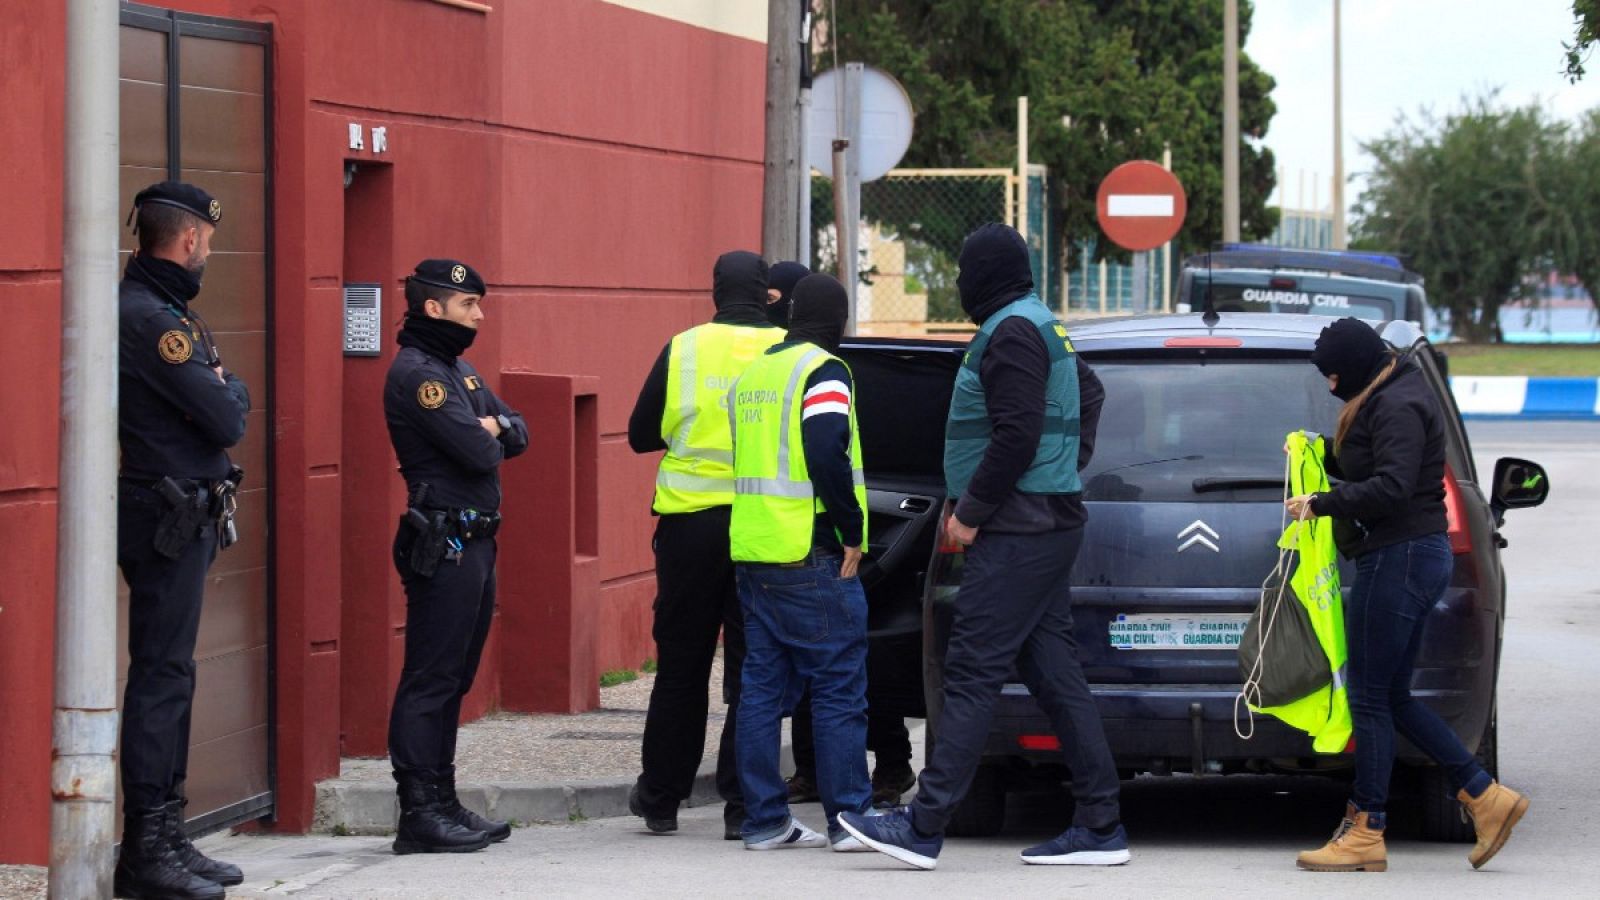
x,y
1132,75
1482,202
1586,31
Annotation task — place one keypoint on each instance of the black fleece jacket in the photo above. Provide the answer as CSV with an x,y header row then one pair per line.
x,y
1392,468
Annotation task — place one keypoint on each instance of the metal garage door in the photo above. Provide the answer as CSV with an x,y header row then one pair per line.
x,y
196,107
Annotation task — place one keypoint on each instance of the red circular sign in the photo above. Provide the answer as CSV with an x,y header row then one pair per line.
x,y
1140,205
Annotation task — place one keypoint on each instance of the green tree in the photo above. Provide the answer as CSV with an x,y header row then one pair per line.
x,y
1586,31
1578,249
1107,80
1475,202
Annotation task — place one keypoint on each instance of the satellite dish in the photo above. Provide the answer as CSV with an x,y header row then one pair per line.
x,y
885,122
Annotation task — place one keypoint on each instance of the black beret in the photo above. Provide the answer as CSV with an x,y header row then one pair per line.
x,y
448,273
184,196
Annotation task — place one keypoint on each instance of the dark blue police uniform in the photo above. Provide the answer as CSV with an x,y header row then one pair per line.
x,y
444,550
179,412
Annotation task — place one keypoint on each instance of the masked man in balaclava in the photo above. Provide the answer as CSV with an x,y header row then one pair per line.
x,y
1021,426
682,409
780,290
797,534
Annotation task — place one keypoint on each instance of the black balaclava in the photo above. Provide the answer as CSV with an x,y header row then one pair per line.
x,y
784,277
739,288
819,311
994,270
1350,349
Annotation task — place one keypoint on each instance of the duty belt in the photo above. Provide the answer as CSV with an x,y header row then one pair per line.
x,y
468,524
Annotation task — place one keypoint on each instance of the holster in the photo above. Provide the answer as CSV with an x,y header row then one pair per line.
x,y
184,512
429,531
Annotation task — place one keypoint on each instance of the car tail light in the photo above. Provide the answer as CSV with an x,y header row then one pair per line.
x,y
1203,342
1282,284
1455,514
1039,742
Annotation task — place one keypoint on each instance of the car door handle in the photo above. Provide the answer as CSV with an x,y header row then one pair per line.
x,y
916,505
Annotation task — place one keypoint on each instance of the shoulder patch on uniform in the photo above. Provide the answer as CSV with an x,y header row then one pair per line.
x,y
473,383
175,346
431,394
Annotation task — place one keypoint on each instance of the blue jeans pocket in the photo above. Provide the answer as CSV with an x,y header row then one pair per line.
x,y
799,611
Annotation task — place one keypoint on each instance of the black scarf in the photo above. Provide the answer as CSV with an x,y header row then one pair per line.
x,y
994,271
172,282
436,337
819,311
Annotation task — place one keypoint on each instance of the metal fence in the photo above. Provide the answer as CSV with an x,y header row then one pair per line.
x,y
912,224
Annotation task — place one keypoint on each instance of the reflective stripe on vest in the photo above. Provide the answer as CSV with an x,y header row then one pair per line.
x,y
1054,468
697,471
775,504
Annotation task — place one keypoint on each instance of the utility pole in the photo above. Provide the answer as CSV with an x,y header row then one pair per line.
x,y
1340,238
780,194
1230,121
84,729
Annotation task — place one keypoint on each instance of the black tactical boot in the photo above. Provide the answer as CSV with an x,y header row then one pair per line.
x,y
149,869
424,825
466,818
191,857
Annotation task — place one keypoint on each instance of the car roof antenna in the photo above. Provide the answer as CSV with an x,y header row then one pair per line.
x,y
1210,317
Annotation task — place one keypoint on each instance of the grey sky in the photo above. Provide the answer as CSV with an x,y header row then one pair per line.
x,y
1402,55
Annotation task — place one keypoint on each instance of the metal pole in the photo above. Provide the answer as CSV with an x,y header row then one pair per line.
x,y
1340,240
1230,121
1022,167
853,76
779,219
82,775
844,225
1166,249
803,244
1102,287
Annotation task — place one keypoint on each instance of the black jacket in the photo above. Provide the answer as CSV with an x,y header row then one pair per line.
x,y
1391,467
176,416
433,407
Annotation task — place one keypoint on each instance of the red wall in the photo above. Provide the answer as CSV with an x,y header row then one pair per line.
x,y
589,160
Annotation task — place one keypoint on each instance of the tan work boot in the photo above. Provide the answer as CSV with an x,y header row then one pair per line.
x,y
1493,815
1353,848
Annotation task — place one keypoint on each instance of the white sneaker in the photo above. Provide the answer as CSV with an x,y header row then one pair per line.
x,y
794,837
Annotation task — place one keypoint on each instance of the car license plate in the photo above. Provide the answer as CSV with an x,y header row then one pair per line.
x,y
1182,631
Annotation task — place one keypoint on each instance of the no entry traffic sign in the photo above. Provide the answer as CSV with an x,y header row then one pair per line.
x,y
1140,205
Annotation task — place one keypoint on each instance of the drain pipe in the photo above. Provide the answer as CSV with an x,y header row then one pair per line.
x,y
83,779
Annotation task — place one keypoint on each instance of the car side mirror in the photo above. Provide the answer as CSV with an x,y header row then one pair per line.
x,y
1518,484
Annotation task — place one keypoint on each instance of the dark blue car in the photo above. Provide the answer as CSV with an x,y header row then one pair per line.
x,y
1185,496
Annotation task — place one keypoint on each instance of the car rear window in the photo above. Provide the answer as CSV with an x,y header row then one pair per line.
x,y
1262,298
1181,429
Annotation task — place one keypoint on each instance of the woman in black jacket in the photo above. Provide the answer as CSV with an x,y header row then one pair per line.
x,y
1389,516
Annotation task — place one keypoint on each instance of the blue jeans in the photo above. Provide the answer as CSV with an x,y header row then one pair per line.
x,y
1395,588
802,624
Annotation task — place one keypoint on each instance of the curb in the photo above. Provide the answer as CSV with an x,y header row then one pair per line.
x,y
370,807
1521,396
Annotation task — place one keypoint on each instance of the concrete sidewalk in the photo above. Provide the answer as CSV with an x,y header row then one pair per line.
x,y
531,768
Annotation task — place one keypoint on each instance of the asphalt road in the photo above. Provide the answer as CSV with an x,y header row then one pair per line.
x,y
1209,837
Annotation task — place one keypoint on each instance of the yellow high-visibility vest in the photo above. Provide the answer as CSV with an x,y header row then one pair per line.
x,y
774,503
697,471
1324,714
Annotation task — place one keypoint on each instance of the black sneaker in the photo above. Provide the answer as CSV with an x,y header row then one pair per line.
x,y
656,824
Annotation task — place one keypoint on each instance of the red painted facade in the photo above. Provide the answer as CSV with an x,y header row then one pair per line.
x,y
590,160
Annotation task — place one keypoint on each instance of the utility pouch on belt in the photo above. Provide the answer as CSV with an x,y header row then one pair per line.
x,y
430,529
185,512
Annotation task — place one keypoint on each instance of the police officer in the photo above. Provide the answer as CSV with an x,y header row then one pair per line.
x,y
682,408
180,411
450,433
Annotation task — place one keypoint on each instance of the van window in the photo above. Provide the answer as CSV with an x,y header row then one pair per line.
x,y
1260,298
1167,422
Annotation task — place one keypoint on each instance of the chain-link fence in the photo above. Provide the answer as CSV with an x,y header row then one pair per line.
x,y
913,222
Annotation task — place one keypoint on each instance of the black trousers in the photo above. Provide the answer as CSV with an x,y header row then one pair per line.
x,y
695,600
1015,608
164,598
447,621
